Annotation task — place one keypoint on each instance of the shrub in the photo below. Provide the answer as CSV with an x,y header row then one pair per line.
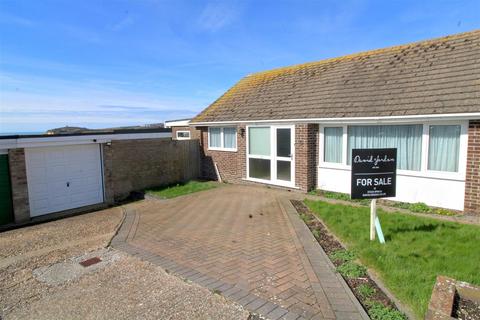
x,y
342,255
352,270
316,233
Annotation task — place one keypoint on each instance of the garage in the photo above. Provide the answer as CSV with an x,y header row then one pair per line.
x,y
63,177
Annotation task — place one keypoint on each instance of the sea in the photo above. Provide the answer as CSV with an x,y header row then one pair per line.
x,y
23,133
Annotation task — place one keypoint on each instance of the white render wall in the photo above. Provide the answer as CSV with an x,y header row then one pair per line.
x,y
438,192
439,189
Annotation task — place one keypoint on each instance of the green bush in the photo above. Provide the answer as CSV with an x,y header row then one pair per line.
x,y
352,270
342,255
378,311
316,233
366,291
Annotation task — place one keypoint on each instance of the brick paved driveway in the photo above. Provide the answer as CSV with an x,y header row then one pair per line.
x,y
246,243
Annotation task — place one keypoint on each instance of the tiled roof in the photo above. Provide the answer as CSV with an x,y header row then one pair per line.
x,y
439,76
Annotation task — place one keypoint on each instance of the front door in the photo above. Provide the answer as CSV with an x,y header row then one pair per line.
x,y
283,158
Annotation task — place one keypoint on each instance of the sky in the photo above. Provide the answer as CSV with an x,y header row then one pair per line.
x,y
97,64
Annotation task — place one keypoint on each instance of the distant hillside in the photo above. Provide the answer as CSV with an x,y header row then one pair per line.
x,y
74,130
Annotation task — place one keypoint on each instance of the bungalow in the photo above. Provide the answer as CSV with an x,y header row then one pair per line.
x,y
295,126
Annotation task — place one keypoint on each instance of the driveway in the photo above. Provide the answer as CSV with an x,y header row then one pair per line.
x,y
246,243
41,278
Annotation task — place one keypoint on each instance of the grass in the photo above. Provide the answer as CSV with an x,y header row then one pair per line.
x,y
182,189
417,249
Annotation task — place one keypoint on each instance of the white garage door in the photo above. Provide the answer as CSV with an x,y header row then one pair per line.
x,y
61,178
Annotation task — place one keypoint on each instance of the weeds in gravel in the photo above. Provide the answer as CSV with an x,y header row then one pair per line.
x,y
366,291
422,208
352,270
216,291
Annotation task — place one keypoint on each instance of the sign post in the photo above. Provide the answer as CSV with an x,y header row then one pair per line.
x,y
374,175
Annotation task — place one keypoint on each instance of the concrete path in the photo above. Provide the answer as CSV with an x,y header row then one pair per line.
x,y
246,243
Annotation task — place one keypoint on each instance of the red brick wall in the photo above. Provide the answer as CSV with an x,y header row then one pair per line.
x,y
231,165
472,180
306,156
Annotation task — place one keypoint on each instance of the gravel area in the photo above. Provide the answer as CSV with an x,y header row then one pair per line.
x,y
130,289
32,285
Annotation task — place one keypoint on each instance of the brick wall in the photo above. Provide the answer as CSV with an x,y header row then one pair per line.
x,y
306,156
231,165
18,177
472,179
133,165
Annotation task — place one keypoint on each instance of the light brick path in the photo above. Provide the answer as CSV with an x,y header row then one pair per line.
x,y
269,262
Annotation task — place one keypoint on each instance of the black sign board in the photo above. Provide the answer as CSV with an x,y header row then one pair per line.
x,y
374,173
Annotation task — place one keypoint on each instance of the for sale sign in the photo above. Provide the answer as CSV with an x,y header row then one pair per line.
x,y
374,173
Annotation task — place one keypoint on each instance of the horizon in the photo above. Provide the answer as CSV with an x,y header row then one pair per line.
x,y
123,63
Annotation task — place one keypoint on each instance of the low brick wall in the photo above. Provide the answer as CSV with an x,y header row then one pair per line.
x,y
133,165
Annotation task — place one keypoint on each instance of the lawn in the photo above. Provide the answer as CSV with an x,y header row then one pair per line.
x,y
182,189
417,249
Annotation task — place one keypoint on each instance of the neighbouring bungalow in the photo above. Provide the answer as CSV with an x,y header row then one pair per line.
x,y
180,129
295,127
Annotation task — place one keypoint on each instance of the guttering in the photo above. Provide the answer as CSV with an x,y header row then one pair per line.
x,y
45,141
409,118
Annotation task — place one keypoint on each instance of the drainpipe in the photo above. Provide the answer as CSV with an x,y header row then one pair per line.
x,y
219,178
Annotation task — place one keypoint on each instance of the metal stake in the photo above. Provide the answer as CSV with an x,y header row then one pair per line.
x,y
373,215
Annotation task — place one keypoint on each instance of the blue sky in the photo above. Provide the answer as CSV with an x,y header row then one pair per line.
x,y
113,63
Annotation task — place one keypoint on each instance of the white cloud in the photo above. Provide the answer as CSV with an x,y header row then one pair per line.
x,y
217,15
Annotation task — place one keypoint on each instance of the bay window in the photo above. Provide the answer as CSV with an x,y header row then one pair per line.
x,y
420,147
222,138
406,138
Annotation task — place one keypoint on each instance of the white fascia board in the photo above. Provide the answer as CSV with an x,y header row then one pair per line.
x,y
180,123
81,139
386,119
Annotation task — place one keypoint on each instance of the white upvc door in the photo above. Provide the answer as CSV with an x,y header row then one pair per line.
x,y
270,154
283,166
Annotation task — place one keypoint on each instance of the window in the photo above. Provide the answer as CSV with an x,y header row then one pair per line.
x,y
444,148
222,138
406,138
183,135
259,154
333,144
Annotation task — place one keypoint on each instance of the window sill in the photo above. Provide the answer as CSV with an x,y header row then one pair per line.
x,y
222,149
285,185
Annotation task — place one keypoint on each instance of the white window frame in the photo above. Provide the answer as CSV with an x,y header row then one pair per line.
x,y
424,172
222,148
272,157
183,138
